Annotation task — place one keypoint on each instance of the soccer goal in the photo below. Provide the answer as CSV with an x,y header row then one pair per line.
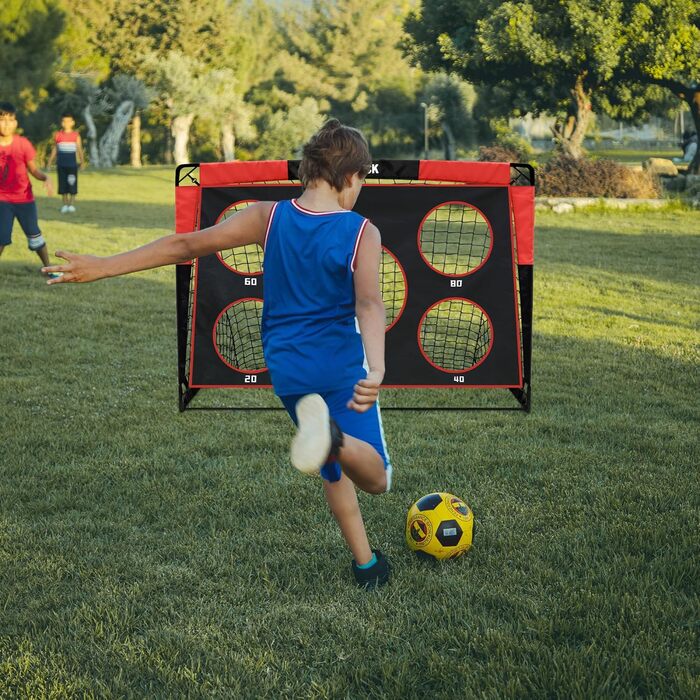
x,y
456,275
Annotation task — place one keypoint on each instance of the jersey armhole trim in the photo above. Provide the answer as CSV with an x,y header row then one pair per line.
x,y
269,224
357,244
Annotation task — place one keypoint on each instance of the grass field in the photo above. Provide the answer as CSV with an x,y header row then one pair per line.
x,y
144,553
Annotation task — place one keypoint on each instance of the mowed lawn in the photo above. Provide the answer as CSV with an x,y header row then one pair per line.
x,y
147,553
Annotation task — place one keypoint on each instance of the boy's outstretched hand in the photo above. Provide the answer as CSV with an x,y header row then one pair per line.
x,y
78,268
365,392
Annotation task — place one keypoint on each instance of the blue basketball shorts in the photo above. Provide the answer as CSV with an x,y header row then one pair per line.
x,y
363,426
26,214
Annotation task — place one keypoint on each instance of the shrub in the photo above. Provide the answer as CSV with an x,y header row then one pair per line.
x,y
500,154
564,176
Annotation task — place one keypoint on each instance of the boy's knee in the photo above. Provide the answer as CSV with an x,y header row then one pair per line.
x,y
36,243
379,485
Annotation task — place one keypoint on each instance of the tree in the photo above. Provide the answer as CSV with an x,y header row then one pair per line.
x,y
452,101
551,56
662,50
179,81
29,30
344,54
126,94
285,132
224,107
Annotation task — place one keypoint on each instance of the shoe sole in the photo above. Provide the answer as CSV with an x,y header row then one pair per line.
x,y
312,443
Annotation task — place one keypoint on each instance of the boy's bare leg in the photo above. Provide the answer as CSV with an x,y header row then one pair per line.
x,y
342,500
362,463
43,253
2,247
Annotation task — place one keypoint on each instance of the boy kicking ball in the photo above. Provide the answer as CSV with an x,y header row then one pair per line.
x,y
323,321
16,197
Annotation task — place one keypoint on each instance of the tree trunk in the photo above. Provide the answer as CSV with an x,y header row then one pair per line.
x,y
694,102
228,141
181,133
450,149
168,154
136,141
92,138
109,143
569,135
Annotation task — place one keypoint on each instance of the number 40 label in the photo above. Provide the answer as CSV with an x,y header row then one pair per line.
x,y
458,378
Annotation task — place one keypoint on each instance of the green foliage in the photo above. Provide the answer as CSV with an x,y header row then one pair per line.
x,y
505,137
617,54
345,55
451,101
29,30
286,131
536,51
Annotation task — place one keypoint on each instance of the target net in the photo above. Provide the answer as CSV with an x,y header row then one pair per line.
x,y
458,306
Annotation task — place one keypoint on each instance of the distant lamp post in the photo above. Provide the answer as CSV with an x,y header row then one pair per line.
x,y
425,106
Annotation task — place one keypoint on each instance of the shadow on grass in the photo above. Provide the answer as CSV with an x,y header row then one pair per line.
x,y
130,322
110,214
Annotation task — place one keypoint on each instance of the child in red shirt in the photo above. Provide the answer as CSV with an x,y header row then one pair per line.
x,y
16,197
68,154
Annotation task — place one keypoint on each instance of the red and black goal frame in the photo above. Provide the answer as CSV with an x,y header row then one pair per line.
x,y
398,196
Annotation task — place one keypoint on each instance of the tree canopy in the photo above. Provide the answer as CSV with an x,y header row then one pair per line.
x,y
564,57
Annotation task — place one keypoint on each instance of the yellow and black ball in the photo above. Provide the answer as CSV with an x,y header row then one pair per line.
x,y
439,525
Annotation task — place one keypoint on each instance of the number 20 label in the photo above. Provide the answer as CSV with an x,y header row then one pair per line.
x,y
251,379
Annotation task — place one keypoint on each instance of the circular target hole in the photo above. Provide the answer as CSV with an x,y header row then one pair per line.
x,y
247,259
392,280
237,336
455,335
455,239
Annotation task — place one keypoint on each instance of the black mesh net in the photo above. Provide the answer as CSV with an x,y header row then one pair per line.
x,y
245,259
455,239
237,335
393,286
455,335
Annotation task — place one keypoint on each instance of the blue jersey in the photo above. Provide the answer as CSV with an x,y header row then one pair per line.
x,y
310,336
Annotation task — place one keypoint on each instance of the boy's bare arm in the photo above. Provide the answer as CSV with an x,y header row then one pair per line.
x,y
371,316
52,157
40,175
243,228
81,155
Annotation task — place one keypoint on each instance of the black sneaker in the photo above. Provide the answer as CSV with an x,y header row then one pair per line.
x,y
377,574
318,438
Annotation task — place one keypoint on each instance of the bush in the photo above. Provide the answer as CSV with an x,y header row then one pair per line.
x,y
501,154
564,176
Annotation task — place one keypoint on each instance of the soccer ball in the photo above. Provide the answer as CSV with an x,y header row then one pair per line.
x,y
439,525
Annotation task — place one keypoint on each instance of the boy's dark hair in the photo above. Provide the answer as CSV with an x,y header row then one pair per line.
x,y
68,114
333,153
7,108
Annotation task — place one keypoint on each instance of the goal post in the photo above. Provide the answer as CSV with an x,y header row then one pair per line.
x,y
456,274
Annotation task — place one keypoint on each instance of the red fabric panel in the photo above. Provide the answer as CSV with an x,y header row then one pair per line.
x,y
462,171
523,204
186,209
223,174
